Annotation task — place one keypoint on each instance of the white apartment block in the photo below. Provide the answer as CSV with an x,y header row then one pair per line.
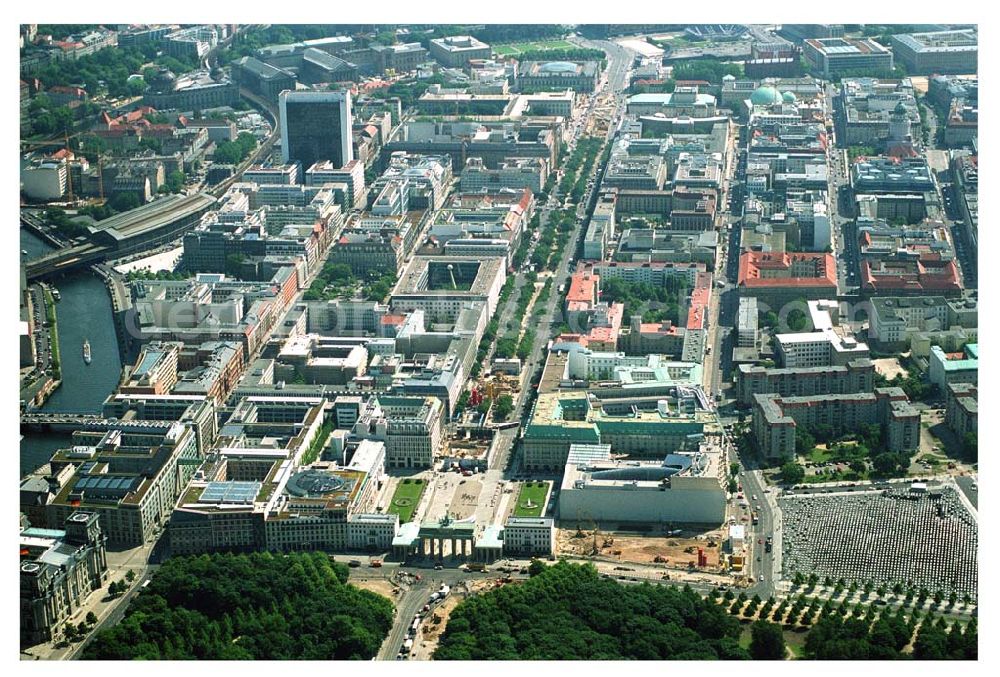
x,y
352,174
371,531
818,349
746,323
529,535
45,180
281,175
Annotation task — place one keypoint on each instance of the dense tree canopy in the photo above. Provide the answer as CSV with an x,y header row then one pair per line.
x,y
970,446
888,464
66,226
654,302
915,387
935,643
124,201
567,612
408,91
501,33
797,320
112,67
837,638
706,69
767,641
505,405
792,473
259,606
804,441
62,31
234,152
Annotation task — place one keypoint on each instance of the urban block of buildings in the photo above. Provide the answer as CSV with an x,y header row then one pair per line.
x,y
776,418
938,51
915,322
869,105
580,76
659,425
777,278
456,51
962,408
954,367
831,57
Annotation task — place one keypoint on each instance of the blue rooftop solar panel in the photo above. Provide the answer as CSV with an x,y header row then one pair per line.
x,y
230,492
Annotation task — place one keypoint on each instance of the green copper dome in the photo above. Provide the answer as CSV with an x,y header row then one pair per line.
x,y
788,97
765,95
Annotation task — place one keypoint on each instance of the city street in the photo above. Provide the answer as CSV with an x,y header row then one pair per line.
x,y
552,313
415,595
764,572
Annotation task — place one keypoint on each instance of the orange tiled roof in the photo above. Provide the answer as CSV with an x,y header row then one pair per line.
x,y
583,287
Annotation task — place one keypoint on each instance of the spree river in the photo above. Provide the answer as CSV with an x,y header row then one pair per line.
x,y
84,313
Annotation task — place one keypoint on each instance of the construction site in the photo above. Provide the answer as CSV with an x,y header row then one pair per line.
x,y
599,122
467,448
681,549
492,387
469,443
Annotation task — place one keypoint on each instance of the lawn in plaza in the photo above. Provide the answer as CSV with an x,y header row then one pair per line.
x,y
406,498
532,493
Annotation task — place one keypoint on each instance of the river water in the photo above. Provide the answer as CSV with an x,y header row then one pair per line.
x,y
83,313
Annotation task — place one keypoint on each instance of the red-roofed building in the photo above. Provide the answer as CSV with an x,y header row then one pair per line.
x,y
697,317
649,338
578,339
928,274
606,324
62,154
390,324
901,149
604,321
128,129
780,277
583,291
129,118
584,310
61,96
158,131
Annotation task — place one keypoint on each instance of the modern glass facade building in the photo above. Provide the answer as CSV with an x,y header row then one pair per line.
x,y
316,126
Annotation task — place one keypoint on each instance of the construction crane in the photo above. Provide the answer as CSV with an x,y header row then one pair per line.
x,y
27,146
63,142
